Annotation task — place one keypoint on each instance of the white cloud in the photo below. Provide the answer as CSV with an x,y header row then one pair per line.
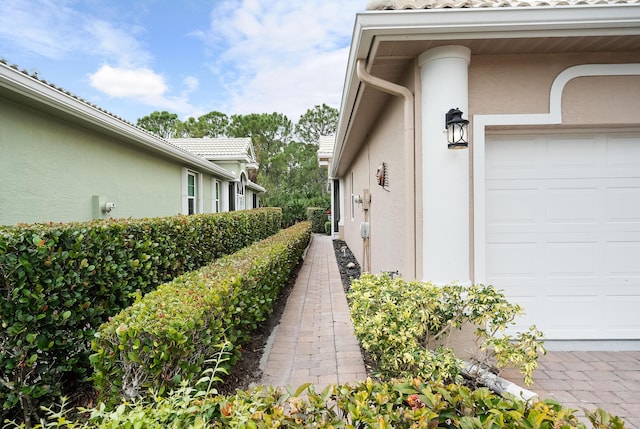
x,y
121,82
116,44
57,30
191,83
42,28
142,85
281,55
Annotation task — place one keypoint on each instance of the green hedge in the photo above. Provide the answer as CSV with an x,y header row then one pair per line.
x,y
317,216
166,337
397,404
59,282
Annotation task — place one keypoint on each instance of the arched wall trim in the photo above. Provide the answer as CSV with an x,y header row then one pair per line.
x,y
554,117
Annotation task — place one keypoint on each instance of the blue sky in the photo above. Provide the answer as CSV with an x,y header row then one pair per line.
x,y
190,57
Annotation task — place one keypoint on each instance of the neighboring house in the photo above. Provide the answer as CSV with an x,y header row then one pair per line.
x,y
545,201
235,155
63,159
325,150
325,156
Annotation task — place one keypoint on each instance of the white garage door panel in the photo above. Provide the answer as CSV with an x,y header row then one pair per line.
x,y
619,204
616,307
563,231
572,205
623,260
575,260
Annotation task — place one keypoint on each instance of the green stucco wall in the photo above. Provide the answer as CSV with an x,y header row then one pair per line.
x,y
50,170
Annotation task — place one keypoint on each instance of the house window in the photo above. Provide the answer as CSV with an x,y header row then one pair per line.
x,y
353,200
191,192
216,196
240,185
232,196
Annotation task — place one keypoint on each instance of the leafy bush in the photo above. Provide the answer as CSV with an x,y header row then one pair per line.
x,y
402,324
327,227
317,216
397,404
294,206
59,282
165,338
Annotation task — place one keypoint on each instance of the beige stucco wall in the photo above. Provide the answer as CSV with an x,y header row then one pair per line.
x,y
502,84
498,84
388,231
50,169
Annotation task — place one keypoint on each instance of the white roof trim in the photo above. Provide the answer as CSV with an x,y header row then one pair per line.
x,y
34,89
470,23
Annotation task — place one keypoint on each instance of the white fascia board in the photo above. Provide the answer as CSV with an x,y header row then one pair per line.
x,y
255,187
472,23
239,158
61,102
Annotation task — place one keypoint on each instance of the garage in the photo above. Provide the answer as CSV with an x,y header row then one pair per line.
x,y
563,230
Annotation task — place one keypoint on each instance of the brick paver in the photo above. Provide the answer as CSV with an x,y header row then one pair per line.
x,y
314,342
587,380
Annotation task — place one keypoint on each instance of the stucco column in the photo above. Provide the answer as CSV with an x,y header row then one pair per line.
x,y
445,172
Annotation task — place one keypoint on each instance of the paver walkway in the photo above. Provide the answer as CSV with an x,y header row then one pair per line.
x,y
609,380
314,341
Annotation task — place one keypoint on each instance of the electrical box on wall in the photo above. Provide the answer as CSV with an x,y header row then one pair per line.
x,y
364,230
366,199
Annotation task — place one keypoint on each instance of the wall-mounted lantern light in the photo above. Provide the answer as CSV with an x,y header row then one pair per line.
x,y
456,129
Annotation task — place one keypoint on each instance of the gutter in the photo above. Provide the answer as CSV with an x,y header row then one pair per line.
x,y
409,146
65,105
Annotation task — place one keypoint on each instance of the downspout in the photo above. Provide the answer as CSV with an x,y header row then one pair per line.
x,y
409,158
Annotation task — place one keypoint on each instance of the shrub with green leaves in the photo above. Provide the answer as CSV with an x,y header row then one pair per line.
x,y
396,404
166,337
403,323
318,217
294,205
59,282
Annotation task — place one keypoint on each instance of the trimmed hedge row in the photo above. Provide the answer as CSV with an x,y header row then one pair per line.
x,y
59,282
317,216
168,336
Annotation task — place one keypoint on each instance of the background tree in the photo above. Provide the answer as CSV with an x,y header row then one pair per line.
x,y
162,124
289,168
213,124
322,120
186,128
269,132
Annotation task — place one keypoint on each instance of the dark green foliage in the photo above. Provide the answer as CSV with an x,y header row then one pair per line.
x,y
59,282
317,216
294,206
320,121
165,338
286,152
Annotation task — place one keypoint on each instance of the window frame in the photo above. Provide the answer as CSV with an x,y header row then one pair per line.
x,y
191,204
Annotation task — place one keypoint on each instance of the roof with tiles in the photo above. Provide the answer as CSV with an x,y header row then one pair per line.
x,y
62,90
46,90
218,148
459,4
325,145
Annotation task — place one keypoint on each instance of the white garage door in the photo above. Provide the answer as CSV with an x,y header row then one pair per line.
x,y
563,231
